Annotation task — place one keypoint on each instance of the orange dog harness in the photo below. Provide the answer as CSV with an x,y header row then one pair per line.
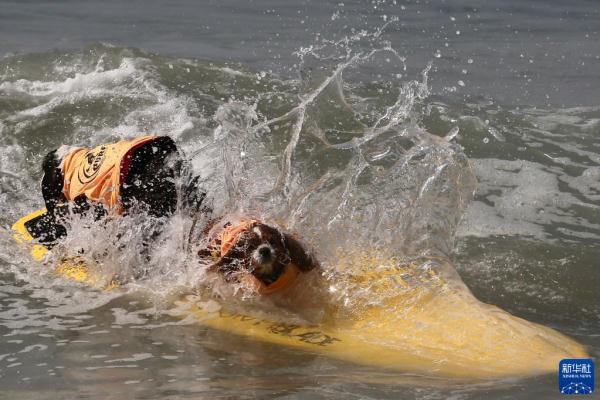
x,y
98,173
231,233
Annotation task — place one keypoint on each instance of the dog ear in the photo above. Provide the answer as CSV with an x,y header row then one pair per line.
x,y
298,254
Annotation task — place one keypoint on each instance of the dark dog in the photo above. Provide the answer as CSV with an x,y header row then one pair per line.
x,y
144,173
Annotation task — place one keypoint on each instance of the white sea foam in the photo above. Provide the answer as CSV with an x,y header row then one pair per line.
x,y
81,82
522,198
159,111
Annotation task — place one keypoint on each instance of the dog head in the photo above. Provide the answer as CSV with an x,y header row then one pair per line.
x,y
260,249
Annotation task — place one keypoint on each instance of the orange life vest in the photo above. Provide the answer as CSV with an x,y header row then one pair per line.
x,y
98,173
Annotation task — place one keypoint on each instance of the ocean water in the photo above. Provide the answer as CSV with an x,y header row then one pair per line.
x,y
463,129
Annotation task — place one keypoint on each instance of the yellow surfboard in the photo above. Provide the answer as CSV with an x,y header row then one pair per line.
x,y
437,329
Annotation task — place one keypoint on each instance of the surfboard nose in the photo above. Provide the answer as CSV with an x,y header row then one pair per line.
x,y
436,326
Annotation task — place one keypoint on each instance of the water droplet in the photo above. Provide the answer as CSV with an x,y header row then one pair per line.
x,y
470,61
486,140
452,133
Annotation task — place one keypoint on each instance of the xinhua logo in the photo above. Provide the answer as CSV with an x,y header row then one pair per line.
x,y
576,376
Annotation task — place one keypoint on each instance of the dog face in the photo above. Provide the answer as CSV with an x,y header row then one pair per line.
x,y
264,251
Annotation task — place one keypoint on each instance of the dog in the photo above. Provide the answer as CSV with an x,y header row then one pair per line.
x,y
264,256
143,174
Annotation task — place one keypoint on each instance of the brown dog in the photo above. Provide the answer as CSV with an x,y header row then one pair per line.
x,y
262,255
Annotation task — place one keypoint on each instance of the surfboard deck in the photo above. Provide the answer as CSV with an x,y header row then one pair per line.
x,y
443,332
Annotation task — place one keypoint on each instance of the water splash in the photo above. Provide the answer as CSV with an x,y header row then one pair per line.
x,y
340,161
382,150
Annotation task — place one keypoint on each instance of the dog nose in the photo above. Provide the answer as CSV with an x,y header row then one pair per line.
x,y
265,252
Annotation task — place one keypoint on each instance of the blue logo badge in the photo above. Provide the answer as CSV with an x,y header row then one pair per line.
x,y
576,376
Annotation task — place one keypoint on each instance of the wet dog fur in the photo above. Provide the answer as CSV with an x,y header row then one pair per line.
x,y
264,251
